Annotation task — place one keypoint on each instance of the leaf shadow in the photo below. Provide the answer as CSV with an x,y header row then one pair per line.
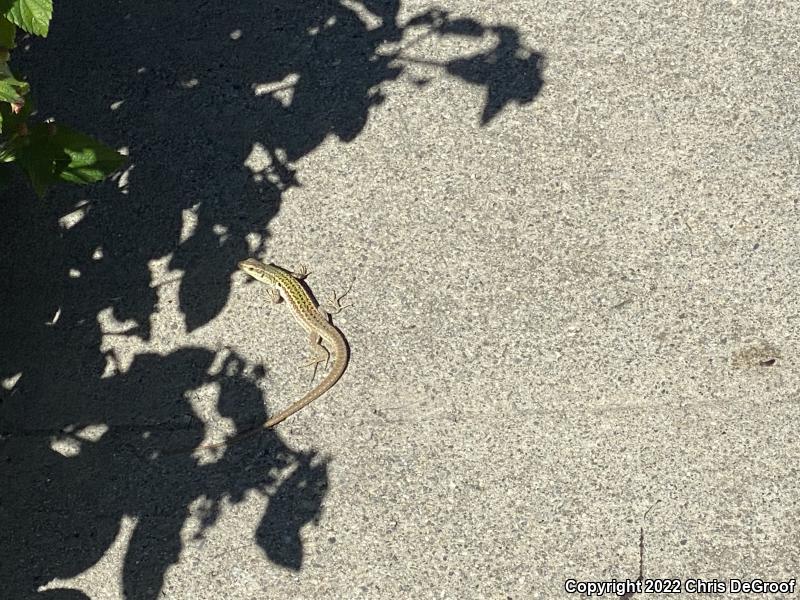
x,y
215,107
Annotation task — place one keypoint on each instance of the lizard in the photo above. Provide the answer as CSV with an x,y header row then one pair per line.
x,y
286,286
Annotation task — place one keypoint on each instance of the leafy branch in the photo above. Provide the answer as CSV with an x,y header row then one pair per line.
x,y
46,151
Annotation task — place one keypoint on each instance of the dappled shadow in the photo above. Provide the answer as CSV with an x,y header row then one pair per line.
x,y
509,71
214,106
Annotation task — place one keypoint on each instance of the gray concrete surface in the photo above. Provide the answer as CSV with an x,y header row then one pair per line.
x,y
572,238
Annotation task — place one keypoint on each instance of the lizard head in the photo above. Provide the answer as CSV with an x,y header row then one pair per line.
x,y
252,267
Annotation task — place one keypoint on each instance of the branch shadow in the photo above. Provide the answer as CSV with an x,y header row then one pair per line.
x,y
214,105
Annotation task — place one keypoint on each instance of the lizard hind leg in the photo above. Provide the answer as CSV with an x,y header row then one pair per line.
x,y
334,305
320,353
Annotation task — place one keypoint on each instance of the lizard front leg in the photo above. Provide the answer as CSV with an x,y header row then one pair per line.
x,y
302,272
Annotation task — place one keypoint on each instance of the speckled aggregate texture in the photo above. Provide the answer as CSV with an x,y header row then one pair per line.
x,y
573,236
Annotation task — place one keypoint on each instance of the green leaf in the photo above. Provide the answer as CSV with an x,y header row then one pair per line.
x,y
89,160
8,152
8,93
11,88
38,156
8,34
31,15
52,152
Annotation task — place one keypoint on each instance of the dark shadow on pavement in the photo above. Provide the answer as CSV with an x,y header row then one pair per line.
x,y
191,90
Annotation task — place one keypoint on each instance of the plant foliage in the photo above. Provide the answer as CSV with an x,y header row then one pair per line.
x,y
46,151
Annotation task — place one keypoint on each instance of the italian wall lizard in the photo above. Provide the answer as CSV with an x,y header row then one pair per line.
x,y
284,285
